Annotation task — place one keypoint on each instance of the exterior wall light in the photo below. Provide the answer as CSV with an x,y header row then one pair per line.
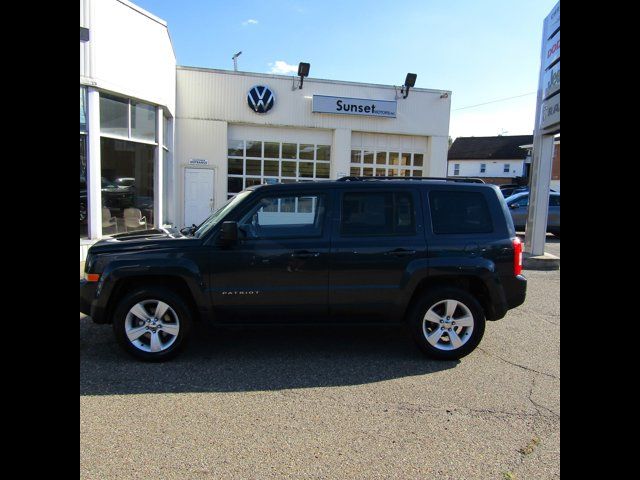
x,y
409,82
303,71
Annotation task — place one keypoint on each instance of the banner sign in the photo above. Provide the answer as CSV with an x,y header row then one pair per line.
x,y
354,106
551,81
550,111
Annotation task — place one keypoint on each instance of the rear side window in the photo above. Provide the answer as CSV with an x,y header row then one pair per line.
x,y
377,214
459,212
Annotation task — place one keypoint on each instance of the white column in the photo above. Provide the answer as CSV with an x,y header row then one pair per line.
x,y
158,199
341,153
436,161
536,228
94,183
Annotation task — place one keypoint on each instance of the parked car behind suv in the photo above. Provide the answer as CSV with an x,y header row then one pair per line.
x,y
519,208
439,256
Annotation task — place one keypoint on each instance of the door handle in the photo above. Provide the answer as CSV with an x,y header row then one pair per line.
x,y
401,252
305,254
471,247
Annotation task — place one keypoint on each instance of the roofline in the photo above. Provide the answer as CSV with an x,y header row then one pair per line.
x,y
141,10
556,141
476,159
308,79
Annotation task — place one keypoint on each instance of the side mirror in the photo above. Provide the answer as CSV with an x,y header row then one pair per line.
x,y
229,233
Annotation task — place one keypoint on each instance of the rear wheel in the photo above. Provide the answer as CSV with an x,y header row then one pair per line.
x,y
152,323
447,323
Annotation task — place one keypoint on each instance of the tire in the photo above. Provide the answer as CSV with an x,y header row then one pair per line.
x,y
152,341
467,309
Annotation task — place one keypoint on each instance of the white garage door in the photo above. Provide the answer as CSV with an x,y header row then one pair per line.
x,y
387,155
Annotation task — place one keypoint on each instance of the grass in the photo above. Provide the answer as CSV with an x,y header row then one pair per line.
x,y
528,449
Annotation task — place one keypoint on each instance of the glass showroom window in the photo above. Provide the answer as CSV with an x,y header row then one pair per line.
x,y
167,172
369,163
127,145
128,119
83,163
127,185
252,162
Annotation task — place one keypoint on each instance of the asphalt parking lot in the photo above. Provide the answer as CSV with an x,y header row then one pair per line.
x,y
329,403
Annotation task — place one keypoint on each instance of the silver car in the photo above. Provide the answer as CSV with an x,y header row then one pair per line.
x,y
519,207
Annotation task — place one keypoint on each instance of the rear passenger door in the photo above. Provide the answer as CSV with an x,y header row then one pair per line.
x,y
466,230
376,234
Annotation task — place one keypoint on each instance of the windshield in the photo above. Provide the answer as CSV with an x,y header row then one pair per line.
x,y
219,214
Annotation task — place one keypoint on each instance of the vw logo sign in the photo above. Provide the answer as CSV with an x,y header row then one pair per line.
x,y
260,99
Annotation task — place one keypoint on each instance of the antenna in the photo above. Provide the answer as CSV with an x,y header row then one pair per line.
x,y
235,61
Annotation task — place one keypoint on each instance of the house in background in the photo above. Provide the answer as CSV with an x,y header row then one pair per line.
x,y
555,166
496,160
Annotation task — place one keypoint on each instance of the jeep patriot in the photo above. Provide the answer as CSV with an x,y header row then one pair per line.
x,y
440,256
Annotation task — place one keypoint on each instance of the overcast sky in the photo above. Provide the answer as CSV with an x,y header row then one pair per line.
x,y
482,51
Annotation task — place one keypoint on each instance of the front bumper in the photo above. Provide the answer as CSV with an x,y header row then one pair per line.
x,y
88,301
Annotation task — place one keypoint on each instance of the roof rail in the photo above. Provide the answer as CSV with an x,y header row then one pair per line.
x,y
446,179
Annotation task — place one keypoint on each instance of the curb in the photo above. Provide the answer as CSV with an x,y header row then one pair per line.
x,y
546,261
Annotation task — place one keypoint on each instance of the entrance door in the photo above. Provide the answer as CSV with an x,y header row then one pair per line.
x,y
198,195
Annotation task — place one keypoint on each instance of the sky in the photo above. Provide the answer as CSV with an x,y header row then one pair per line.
x,y
482,51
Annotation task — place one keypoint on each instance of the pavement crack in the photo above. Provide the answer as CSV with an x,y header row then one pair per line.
x,y
535,404
517,364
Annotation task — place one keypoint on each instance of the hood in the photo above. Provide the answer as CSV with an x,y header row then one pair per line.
x,y
144,240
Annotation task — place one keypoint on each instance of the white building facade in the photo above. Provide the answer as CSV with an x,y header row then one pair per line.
x,y
167,145
504,168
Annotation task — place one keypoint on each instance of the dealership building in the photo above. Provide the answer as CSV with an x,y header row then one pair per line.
x,y
162,144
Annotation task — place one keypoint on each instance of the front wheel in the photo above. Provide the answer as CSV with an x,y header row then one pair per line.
x,y
152,323
447,323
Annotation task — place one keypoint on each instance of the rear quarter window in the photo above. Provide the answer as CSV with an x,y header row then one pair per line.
x,y
459,212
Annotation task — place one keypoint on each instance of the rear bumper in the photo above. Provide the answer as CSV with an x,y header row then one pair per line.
x,y
515,291
512,293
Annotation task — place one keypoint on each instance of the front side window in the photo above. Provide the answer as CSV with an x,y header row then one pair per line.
x,y
377,214
284,216
459,212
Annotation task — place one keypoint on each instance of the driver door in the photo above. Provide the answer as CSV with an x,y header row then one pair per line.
x,y
279,268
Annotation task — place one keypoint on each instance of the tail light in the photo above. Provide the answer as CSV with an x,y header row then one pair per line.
x,y
517,256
